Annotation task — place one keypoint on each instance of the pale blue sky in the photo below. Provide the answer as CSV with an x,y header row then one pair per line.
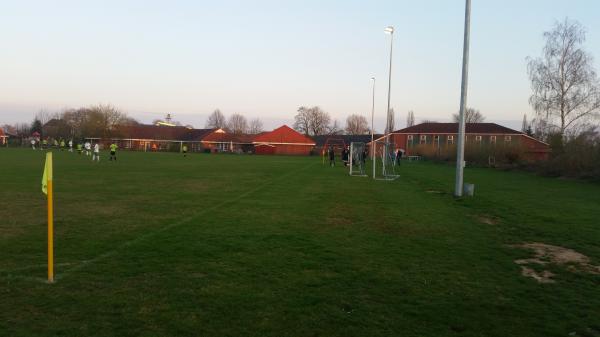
x,y
266,58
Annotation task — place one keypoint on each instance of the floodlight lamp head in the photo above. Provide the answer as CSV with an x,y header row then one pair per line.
x,y
389,30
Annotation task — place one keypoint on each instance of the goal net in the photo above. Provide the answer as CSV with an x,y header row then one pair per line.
x,y
385,160
357,159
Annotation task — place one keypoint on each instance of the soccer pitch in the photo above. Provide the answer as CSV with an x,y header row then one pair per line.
x,y
156,244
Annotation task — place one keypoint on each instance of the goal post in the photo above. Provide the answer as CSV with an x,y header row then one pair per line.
x,y
385,160
357,159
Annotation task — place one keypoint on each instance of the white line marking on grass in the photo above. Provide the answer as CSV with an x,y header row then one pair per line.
x,y
142,237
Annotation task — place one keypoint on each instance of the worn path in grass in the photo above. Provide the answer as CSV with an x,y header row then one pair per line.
x,y
158,244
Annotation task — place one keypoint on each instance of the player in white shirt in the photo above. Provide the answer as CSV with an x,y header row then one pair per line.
x,y
33,144
88,148
71,145
96,155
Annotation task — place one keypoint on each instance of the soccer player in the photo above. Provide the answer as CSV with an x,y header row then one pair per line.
x,y
184,150
113,151
87,147
79,148
70,145
44,143
96,155
331,157
345,153
33,143
62,144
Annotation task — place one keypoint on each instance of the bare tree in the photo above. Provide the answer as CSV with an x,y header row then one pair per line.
x,y
566,91
429,121
471,116
312,121
390,123
44,116
524,125
237,124
255,126
216,120
410,119
302,120
356,125
319,121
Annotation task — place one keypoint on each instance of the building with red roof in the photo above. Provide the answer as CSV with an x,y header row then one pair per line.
x,y
283,140
3,137
431,136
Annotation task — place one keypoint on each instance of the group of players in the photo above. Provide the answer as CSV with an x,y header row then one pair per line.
x,y
397,156
82,147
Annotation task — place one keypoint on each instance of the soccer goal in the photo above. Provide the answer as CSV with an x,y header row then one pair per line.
x,y
385,161
357,159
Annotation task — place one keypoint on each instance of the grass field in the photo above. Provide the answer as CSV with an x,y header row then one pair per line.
x,y
223,245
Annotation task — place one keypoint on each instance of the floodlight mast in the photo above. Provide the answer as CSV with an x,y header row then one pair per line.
x,y
388,30
373,126
460,148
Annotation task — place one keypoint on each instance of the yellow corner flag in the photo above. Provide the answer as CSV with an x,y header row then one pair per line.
x,y
47,173
47,189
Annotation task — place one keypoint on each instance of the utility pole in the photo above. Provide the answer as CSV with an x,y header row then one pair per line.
x,y
373,126
460,147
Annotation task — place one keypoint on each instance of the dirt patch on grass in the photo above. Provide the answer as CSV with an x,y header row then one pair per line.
x,y
488,220
548,254
338,216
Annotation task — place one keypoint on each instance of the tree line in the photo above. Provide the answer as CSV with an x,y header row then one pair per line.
x,y
93,121
236,123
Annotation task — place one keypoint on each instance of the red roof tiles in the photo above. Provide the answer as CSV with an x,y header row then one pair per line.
x,y
449,128
283,135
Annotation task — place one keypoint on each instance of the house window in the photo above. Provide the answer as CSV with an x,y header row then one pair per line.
x,y
507,139
478,139
436,140
450,140
410,140
423,139
492,139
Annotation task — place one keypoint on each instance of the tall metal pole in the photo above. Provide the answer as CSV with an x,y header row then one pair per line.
x,y
373,126
389,30
460,147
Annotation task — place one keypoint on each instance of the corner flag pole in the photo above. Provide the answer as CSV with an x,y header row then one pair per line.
x,y
47,188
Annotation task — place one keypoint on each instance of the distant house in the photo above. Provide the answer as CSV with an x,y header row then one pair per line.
x,y
283,140
3,138
427,136
221,141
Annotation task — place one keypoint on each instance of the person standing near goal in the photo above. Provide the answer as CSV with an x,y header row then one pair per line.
x,y
96,155
331,157
70,145
113,151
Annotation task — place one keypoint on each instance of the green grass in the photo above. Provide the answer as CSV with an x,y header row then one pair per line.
x,y
223,245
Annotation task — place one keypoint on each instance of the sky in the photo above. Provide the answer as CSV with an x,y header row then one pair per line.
x,y
267,58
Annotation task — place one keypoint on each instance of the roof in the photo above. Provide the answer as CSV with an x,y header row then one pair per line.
x,y
222,137
181,133
283,135
446,128
322,139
